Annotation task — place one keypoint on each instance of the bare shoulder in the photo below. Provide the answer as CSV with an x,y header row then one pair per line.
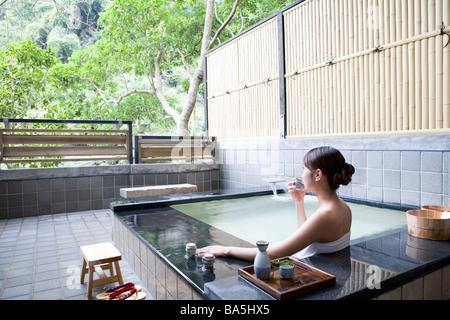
x,y
322,217
332,221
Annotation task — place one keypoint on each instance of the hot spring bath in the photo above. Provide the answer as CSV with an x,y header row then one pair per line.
x,y
272,218
153,233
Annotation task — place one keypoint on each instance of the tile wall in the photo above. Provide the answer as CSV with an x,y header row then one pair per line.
x,y
402,170
34,192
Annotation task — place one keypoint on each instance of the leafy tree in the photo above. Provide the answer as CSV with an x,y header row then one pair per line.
x,y
147,50
145,37
37,19
25,72
248,13
64,42
35,84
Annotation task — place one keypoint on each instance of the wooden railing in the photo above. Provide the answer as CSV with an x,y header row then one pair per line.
x,y
55,145
151,149
29,145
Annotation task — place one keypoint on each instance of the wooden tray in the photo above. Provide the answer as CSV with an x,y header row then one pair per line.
x,y
306,279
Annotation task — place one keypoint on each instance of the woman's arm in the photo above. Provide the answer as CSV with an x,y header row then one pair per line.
x,y
248,254
309,232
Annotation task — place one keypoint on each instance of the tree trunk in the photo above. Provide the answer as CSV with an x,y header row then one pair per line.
x,y
197,77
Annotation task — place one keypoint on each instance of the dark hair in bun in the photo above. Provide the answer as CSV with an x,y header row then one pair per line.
x,y
332,163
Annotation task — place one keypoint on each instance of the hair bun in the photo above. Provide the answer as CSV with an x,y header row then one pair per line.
x,y
347,171
332,163
344,176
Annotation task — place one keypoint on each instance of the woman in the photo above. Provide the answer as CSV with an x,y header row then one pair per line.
x,y
328,229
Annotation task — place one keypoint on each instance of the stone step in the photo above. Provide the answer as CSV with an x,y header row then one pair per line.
x,y
160,190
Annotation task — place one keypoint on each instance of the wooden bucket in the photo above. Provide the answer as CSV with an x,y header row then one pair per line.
x,y
434,208
428,224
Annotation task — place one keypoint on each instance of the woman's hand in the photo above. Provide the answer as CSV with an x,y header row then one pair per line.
x,y
217,251
297,195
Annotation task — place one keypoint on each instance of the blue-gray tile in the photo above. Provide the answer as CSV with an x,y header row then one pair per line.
x,y
411,160
391,160
410,180
432,161
431,182
391,179
375,159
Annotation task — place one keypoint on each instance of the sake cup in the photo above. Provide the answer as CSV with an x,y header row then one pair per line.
x,y
286,271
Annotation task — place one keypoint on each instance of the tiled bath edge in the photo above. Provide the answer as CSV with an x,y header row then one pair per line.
x,y
161,281
433,286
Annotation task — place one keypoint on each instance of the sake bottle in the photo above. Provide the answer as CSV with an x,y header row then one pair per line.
x,y
261,265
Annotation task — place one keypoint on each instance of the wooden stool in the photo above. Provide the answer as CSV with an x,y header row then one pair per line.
x,y
99,257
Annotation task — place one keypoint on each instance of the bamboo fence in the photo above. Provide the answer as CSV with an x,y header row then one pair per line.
x,y
352,67
243,85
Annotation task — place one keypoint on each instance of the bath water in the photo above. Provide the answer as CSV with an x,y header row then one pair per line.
x,y
273,218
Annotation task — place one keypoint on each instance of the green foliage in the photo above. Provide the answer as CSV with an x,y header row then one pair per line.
x,y
114,43
135,30
64,42
249,13
277,263
25,72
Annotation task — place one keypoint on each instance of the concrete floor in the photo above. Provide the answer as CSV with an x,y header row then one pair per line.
x,y
40,259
